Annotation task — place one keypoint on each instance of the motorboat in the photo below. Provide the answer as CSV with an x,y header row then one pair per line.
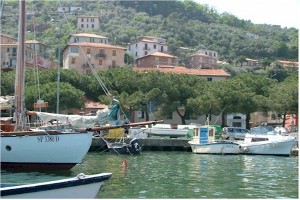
x,y
204,142
265,141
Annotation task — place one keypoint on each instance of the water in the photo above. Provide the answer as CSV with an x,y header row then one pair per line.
x,y
173,174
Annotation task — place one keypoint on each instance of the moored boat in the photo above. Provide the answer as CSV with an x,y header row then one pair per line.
x,y
80,187
261,142
204,142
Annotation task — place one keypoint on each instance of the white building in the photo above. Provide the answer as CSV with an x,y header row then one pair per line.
x,y
147,45
236,120
87,37
209,53
88,22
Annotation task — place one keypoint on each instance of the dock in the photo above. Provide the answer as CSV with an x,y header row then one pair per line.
x,y
156,144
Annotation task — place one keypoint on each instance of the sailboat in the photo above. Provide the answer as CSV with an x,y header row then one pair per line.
x,y
22,147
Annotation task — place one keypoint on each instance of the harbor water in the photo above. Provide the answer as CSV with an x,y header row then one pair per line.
x,y
177,174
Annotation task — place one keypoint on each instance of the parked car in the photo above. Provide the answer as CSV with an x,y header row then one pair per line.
x,y
236,133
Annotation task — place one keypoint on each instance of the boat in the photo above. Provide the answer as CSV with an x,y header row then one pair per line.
x,y
170,130
265,141
121,147
27,148
204,142
80,187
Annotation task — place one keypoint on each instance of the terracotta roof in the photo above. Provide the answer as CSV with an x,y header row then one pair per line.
x,y
89,35
83,16
184,70
288,62
93,44
159,54
93,104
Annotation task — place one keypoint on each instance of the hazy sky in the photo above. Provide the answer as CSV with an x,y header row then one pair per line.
x,y
276,12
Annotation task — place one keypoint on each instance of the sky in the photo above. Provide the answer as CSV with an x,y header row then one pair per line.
x,y
285,13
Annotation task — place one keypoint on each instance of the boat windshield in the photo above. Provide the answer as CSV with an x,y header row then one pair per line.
x,y
261,130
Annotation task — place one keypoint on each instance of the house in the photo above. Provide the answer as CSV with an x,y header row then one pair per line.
x,y
250,62
202,61
146,45
88,22
69,9
35,54
157,58
84,55
288,64
87,37
209,74
210,53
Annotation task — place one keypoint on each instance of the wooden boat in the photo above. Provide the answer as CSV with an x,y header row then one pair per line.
x,y
204,142
80,187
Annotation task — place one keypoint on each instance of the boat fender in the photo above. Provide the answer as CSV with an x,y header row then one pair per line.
x,y
81,176
244,149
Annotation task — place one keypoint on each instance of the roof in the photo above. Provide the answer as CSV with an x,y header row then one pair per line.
x,y
32,42
184,70
97,45
159,54
200,54
88,35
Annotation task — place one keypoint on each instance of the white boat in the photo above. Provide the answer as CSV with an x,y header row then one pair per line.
x,y
204,142
171,130
80,187
276,142
23,147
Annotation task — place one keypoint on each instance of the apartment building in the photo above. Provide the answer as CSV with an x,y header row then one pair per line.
x,y
251,62
83,56
202,61
146,45
157,58
88,22
209,53
87,37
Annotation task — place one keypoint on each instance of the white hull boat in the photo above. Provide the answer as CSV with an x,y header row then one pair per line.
x,y
170,130
204,142
40,150
79,187
268,144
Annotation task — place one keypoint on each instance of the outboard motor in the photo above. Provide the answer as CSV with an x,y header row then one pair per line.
x,y
135,147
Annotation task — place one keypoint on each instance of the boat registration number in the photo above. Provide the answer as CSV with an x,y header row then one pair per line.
x,y
48,138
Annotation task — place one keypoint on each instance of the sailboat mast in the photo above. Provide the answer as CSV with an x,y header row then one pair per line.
x,y
20,71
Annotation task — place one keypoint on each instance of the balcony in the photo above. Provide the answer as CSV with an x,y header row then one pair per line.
x,y
100,55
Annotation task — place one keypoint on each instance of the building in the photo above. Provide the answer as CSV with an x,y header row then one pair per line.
x,y
88,22
34,54
147,45
251,62
209,74
202,61
236,120
288,64
157,58
212,54
69,9
84,55
87,37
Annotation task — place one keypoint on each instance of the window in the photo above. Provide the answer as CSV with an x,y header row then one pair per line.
x,y
135,53
87,26
101,51
93,26
146,46
162,48
82,20
113,63
92,20
73,60
209,79
146,53
87,20
154,46
88,51
74,49
136,45
114,52
100,62
92,40
82,26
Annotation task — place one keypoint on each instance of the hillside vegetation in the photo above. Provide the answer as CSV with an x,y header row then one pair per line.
x,y
183,23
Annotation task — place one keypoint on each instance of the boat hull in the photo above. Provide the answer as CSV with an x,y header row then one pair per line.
x,y
216,148
40,151
283,148
166,132
80,187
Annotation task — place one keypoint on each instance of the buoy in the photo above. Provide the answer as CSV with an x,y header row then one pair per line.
x,y
124,164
